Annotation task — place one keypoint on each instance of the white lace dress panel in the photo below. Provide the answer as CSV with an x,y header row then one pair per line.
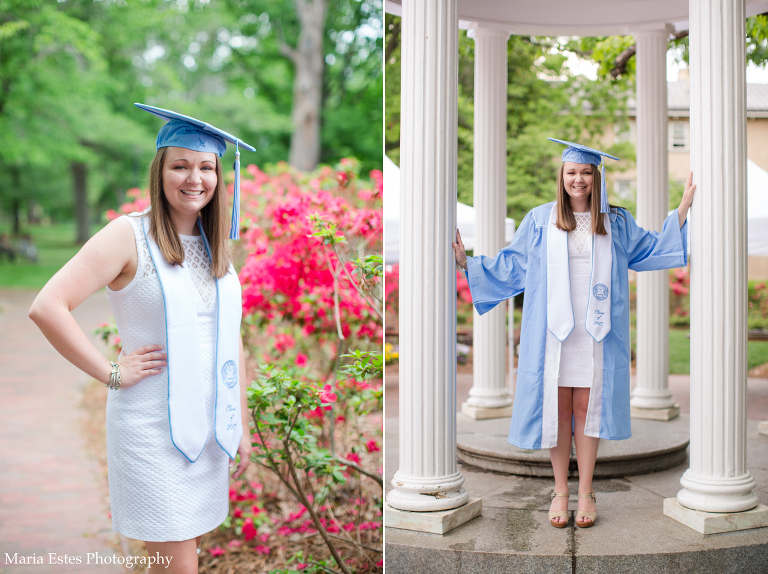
x,y
156,494
576,354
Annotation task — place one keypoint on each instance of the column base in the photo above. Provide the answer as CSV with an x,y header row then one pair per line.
x,y
438,522
482,413
665,414
762,427
715,522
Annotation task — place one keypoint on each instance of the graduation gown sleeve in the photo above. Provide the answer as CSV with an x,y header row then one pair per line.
x,y
653,250
495,279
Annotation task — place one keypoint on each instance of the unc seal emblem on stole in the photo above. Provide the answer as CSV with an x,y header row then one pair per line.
x,y
229,374
600,291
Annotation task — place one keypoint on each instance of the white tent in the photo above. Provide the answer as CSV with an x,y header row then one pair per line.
x,y
465,217
757,210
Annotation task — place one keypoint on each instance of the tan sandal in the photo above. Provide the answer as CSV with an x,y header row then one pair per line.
x,y
586,519
558,513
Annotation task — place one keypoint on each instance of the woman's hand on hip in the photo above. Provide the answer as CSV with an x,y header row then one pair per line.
x,y
460,252
244,450
142,363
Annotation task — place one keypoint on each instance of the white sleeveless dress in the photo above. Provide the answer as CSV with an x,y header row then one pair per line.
x,y
156,494
576,355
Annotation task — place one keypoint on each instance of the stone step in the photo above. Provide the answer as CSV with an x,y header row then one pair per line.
x,y
654,446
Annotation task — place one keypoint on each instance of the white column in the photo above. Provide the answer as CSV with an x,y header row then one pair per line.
x,y
651,398
489,396
718,479
428,477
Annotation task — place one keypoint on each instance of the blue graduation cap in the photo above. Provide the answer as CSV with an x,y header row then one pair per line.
x,y
578,153
189,133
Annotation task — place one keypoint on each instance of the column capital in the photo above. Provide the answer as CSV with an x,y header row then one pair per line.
x,y
650,32
489,30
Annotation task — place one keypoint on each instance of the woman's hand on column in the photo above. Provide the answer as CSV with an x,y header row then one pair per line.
x,y
460,252
685,203
143,362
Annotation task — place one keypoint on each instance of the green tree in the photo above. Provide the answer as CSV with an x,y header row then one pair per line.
x,y
543,99
615,55
70,72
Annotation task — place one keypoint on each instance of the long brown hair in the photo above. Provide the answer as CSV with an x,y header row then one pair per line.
x,y
565,218
213,216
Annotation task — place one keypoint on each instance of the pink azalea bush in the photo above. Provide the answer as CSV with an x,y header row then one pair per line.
x,y
757,303
288,275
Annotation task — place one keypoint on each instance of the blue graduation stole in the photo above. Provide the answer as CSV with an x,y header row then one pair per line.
x,y
186,395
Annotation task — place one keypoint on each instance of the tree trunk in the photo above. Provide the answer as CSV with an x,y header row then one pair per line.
x,y
16,203
79,186
16,208
308,59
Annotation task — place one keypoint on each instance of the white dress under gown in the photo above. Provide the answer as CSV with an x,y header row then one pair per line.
x,y
156,494
576,368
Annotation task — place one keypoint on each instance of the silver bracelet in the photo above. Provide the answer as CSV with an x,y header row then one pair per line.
x,y
114,377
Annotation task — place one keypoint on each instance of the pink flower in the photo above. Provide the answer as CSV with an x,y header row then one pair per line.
x,y
235,543
217,551
301,566
249,530
354,457
297,515
372,446
238,513
301,360
284,341
315,414
327,396
262,549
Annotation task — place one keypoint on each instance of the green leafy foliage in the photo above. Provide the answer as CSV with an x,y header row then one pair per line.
x,y
71,70
543,99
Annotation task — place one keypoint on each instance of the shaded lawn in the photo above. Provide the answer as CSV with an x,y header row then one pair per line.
x,y
55,246
680,348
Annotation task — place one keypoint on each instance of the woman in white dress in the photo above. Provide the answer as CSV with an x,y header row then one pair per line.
x,y
571,259
177,416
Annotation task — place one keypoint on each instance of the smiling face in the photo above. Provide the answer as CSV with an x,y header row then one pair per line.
x,y
577,180
189,184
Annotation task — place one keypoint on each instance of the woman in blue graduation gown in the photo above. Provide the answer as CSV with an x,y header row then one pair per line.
x,y
574,345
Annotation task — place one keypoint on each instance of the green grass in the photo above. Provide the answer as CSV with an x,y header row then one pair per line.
x,y
55,246
680,352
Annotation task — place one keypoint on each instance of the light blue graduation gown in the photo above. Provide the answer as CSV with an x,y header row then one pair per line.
x,y
522,267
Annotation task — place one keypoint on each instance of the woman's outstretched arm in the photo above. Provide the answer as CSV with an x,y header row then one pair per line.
x,y
100,262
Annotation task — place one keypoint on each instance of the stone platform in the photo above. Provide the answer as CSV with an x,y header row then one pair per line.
x,y
654,446
631,534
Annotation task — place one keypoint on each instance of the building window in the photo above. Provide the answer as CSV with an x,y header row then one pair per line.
x,y
678,136
624,189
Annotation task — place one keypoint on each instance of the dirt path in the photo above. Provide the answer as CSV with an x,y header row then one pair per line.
x,y
51,500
